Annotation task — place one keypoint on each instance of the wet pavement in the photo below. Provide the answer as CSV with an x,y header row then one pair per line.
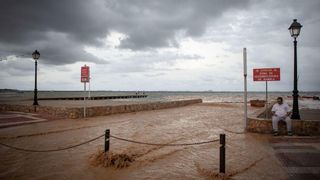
x,y
248,155
12,118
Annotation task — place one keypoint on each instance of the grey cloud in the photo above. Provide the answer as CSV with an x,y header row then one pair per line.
x,y
155,75
20,67
155,24
58,29
267,22
150,62
27,21
61,29
58,50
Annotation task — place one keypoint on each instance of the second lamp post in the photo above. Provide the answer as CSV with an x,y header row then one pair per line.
x,y
35,56
295,31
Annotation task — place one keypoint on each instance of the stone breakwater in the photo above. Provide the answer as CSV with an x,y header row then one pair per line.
x,y
77,112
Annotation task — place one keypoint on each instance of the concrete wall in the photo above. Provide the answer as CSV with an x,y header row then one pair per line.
x,y
75,113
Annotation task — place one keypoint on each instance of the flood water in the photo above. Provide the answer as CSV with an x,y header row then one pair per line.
x,y
248,155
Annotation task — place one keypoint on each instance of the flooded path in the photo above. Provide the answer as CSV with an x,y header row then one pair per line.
x,y
248,155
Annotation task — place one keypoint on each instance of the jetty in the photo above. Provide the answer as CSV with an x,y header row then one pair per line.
x,y
94,97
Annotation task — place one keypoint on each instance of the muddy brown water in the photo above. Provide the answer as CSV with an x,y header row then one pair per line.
x,y
249,156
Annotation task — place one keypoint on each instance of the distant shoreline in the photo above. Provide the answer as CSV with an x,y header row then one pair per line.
x,y
17,90
10,90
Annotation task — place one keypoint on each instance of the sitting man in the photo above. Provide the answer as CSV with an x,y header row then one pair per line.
x,y
281,111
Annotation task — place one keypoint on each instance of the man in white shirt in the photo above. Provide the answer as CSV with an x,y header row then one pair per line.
x,y
280,112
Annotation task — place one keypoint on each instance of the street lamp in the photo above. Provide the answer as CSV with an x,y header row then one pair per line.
x,y
295,31
35,56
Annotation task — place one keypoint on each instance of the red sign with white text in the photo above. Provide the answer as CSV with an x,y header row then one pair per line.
x,y
85,75
266,74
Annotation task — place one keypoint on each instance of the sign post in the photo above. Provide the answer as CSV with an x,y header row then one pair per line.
x,y
89,96
84,100
266,115
266,74
85,77
245,86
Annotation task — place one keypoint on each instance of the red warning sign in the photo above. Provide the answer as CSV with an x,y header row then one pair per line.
x,y
85,74
266,74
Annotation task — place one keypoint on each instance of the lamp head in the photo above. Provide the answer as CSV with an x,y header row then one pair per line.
x,y
295,28
36,55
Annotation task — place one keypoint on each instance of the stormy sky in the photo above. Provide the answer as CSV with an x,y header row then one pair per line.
x,y
175,45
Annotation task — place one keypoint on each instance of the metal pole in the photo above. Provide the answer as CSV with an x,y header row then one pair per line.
x,y
89,88
266,113
107,140
295,108
245,86
84,100
222,168
35,97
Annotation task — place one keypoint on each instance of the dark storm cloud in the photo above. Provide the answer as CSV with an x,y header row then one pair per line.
x,y
27,21
58,29
61,29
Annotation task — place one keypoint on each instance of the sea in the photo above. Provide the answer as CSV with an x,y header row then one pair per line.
x,y
305,101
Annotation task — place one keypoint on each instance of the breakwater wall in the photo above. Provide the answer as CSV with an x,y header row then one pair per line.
x,y
95,97
77,112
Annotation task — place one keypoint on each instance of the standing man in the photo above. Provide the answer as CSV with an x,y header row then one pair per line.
x,y
280,112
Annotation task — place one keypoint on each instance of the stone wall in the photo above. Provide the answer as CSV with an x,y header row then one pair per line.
x,y
75,113
299,127
258,124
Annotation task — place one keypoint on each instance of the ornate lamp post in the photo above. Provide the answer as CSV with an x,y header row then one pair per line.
x,y
35,56
295,31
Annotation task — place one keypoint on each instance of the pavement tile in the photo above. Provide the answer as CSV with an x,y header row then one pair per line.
x,y
294,147
304,176
300,156
295,139
303,170
299,159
